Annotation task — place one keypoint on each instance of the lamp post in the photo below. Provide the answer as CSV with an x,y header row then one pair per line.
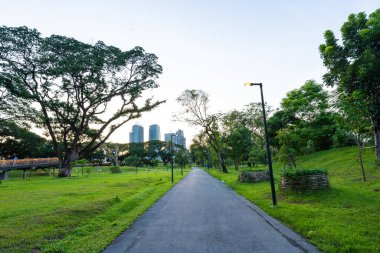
x,y
172,156
267,143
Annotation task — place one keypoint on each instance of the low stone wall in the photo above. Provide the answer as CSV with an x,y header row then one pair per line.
x,y
304,182
253,176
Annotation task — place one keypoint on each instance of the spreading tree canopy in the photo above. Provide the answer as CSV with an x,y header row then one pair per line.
x,y
77,92
354,66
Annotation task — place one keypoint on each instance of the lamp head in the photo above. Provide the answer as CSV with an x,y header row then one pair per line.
x,y
252,84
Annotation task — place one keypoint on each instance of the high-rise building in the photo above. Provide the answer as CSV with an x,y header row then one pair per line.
x,y
137,134
168,137
181,140
154,132
178,138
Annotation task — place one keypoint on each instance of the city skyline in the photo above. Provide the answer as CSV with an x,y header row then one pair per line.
x,y
137,134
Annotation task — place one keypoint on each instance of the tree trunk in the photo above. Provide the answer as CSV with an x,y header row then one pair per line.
x,y
65,169
222,163
116,155
360,149
209,164
376,131
236,163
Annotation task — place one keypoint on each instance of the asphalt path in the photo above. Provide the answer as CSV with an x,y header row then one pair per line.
x,y
200,214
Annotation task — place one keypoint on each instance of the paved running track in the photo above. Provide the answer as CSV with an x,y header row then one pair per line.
x,y
200,214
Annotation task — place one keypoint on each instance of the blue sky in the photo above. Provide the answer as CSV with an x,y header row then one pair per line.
x,y
211,45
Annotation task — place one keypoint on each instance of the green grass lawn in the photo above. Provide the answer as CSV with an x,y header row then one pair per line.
x,y
343,218
77,214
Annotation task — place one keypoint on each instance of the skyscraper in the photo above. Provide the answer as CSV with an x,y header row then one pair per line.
x,y
131,137
181,140
168,138
154,132
137,134
178,138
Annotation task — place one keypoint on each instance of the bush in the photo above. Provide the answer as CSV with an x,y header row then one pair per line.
x,y
80,162
343,138
377,164
310,147
253,176
284,152
257,156
294,174
115,169
154,163
87,171
132,160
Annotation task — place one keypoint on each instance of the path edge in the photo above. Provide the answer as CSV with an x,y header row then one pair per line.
x,y
290,235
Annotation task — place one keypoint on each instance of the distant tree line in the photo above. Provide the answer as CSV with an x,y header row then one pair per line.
x,y
151,153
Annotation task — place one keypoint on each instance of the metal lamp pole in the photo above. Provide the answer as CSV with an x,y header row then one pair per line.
x,y
171,140
274,200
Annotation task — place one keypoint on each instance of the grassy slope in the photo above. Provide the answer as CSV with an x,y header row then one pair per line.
x,y
80,214
344,218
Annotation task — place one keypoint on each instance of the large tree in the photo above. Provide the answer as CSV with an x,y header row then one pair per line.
x,y
244,133
199,151
152,149
279,120
237,136
309,124
195,112
165,153
77,92
251,118
354,65
239,143
307,102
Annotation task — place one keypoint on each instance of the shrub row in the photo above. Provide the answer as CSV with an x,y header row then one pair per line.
x,y
253,176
